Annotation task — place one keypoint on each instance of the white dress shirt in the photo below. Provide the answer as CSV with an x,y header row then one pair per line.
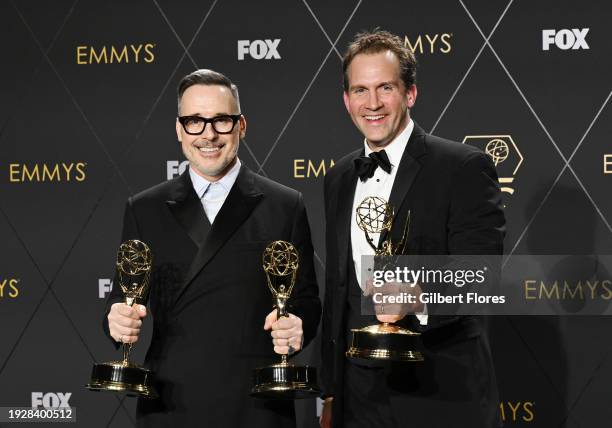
x,y
213,193
379,185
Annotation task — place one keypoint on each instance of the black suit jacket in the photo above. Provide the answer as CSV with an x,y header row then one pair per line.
x,y
452,192
209,298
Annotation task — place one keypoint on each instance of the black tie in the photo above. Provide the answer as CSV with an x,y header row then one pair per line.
x,y
366,165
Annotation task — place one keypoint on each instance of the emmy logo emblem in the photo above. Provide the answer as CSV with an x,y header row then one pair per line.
x,y
498,150
133,269
283,380
383,341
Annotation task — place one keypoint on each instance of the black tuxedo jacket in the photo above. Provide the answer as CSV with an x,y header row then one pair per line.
x,y
209,299
452,192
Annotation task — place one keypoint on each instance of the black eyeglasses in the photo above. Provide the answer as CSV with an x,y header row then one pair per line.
x,y
195,125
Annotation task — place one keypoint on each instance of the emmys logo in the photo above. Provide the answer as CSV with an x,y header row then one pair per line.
x,y
306,168
8,288
126,54
607,163
568,290
175,168
565,39
517,411
505,155
105,286
50,400
41,173
258,49
436,43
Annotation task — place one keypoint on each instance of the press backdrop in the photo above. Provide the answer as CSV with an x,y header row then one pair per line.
x,y
87,111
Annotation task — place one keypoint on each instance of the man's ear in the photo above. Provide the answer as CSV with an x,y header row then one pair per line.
x,y
243,126
411,95
345,97
179,127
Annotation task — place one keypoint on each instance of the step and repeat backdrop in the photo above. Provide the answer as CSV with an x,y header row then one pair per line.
x,y
87,112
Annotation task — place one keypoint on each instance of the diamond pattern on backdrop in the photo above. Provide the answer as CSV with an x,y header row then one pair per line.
x,y
119,120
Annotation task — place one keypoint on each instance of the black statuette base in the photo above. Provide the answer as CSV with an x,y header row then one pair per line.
x,y
285,382
129,379
385,342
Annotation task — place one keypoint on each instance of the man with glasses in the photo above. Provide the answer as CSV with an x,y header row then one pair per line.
x,y
210,303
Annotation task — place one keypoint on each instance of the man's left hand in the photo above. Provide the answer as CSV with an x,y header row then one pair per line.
x,y
393,312
287,334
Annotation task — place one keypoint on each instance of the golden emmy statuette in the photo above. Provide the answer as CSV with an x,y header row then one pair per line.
x,y
283,380
133,268
384,341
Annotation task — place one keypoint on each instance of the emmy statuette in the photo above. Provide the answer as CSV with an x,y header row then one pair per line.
x,y
133,268
283,380
384,341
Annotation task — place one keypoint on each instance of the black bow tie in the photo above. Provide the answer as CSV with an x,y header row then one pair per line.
x,y
366,165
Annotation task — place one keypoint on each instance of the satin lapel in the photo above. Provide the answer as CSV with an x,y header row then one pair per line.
x,y
408,169
187,209
346,186
240,202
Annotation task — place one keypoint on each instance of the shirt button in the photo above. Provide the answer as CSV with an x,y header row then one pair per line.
x,y
378,180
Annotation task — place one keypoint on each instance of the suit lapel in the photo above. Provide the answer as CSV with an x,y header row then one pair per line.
x,y
346,186
408,169
187,209
240,202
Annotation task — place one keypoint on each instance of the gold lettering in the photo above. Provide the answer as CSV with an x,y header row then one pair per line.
x,y
592,287
317,171
530,286
67,169
81,55
2,284
567,289
136,52
431,42
92,54
150,57
528,406
608,164
514,409
13,285
298,164
446,40
418,46
554,289
119,58
502,411
606,285
47,175
13,171
80,167
26,173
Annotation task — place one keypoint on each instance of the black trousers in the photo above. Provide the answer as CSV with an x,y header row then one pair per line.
x,y
366,403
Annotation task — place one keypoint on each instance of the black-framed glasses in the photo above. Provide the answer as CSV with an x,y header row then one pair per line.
x,y
195,125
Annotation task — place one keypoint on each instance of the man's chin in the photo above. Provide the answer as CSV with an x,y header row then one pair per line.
x,y
211,173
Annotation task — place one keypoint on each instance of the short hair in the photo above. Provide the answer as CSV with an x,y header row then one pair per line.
x,y
206,77
375,41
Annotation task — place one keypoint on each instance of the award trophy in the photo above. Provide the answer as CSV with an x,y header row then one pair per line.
x,y
384,341
283,380
133,268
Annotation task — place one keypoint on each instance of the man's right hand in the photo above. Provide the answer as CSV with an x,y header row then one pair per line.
x,y
326,414
124,322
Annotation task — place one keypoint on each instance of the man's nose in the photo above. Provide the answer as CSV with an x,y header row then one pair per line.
x,y
374,102
209,132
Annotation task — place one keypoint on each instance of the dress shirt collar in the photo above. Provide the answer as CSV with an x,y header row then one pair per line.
x,y
200,184
395,149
